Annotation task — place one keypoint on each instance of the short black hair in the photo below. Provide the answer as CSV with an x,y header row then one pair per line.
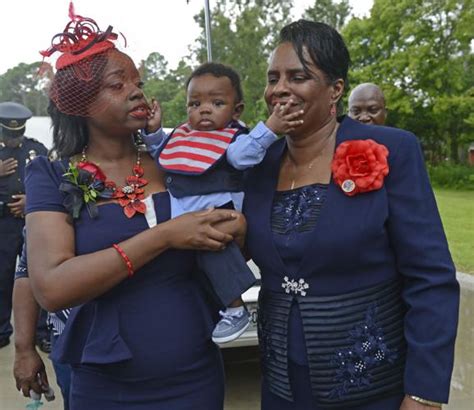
x,y
324,45
219,70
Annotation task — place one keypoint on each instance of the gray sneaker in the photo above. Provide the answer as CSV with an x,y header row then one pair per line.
x,y
231,326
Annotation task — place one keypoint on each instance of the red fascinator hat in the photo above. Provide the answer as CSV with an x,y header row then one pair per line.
x,y
80,39
85,52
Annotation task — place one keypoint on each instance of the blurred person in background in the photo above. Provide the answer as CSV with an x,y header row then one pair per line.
x,y
16,150
367,104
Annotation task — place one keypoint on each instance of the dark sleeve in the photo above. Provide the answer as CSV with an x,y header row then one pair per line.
x,y
431,291
42,180
42,150
22,267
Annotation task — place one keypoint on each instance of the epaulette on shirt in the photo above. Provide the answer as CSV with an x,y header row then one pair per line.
x,y
193,152
31,139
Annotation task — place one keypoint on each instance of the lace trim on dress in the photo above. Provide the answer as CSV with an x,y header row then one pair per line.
x,y
297,210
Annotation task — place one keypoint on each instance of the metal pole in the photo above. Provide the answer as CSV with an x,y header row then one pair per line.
x,y
207,15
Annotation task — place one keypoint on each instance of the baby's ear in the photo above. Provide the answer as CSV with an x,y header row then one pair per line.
x,y
238,110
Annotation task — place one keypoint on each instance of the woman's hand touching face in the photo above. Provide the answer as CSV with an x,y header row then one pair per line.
x,y
300,88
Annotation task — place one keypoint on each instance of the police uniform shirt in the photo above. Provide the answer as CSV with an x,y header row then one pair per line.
x,y
13,184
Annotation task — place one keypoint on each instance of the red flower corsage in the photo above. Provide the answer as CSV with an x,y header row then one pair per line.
x,y
83,184
360,166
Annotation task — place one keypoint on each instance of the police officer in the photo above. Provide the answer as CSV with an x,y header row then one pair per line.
x,y
16,151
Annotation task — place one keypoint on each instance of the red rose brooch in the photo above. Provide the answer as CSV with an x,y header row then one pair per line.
x,y
360,166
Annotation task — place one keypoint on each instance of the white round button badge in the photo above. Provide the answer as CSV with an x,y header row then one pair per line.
x,y
348,185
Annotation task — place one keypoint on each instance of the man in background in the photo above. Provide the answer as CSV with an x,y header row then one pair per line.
x,y
16,151
367,104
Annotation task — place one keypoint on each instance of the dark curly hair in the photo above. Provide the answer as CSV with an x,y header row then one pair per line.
x,y
219,70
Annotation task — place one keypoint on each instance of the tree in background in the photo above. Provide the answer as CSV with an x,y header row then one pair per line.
x,y
24,85
244,32
420,52
167,86
332,13
155,67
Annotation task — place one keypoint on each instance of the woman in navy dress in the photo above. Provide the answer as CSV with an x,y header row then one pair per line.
x,y
359,300
100,239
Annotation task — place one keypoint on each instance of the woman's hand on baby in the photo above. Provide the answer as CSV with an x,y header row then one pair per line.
x,y
236,227
195,230
154,117
282,121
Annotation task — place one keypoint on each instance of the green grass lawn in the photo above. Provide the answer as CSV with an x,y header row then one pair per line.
x,y
457,212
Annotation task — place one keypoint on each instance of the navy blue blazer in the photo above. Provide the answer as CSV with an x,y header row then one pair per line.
x,y
370,238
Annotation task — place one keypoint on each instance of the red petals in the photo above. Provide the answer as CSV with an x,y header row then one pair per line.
x,y
129,211
139,206
123,201
138,170
131,196
93,169
134,180
110,185
133,207
360,166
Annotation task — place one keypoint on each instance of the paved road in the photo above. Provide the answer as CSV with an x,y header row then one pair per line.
x,y
242,386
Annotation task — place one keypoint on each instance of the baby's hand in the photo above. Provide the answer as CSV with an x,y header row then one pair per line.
x,y
281,121
154,117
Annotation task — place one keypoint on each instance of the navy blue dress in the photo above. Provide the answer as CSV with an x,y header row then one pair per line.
x,y
146,343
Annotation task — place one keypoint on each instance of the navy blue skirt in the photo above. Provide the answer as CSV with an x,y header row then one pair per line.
x,y
200,388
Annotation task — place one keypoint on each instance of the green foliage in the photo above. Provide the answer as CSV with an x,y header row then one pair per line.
x,y
457,213
329,12
24,85
154,67
90,194
419,52
243,35
169,90
452,176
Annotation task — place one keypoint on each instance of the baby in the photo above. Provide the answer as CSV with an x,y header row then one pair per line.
x,y
203,160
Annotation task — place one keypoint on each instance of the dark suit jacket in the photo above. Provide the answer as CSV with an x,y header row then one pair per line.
x,y
360,241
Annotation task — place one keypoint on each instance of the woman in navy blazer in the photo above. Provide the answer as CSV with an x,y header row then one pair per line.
x,y
359,301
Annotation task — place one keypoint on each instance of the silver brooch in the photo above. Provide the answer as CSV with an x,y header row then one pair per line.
x,y
127,189
293,286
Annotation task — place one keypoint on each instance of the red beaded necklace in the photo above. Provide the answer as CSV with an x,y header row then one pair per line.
x,y
131,195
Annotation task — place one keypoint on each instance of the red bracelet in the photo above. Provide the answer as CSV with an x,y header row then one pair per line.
x,y
126,259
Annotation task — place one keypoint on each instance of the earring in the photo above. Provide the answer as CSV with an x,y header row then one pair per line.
x,y
332,111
